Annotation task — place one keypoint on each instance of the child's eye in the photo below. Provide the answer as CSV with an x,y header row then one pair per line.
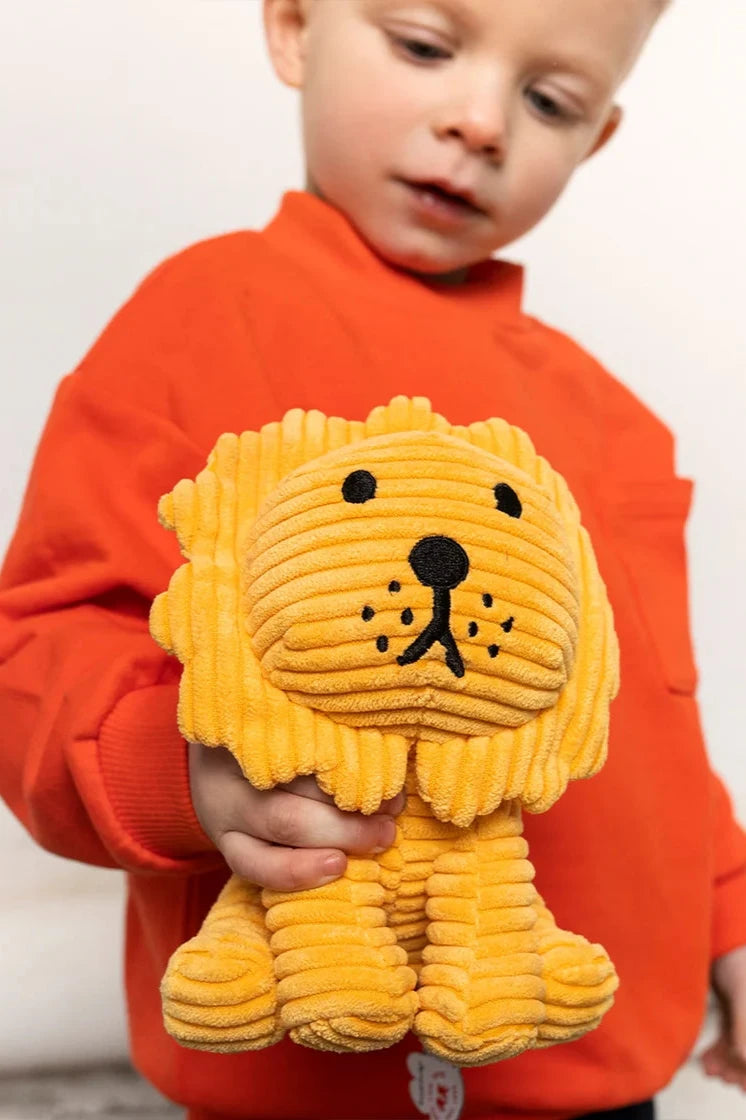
x,y
546,105
418,49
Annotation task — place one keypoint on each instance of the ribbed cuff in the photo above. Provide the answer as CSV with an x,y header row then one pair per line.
x,y
143,761
729,913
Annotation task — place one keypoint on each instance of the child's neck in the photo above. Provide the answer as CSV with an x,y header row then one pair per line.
x,y
446,278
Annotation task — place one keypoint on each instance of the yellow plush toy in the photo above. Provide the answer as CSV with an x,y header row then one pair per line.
x,y
389,603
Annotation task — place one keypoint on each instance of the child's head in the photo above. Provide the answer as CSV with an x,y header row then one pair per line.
x,y
503,98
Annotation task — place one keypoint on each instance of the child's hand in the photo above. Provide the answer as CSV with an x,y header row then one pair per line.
x,y
726,1058
289,838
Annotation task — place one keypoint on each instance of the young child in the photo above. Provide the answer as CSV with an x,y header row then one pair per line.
x,y
365,285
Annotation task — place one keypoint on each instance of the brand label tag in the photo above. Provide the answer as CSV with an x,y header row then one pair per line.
x,y
436,1087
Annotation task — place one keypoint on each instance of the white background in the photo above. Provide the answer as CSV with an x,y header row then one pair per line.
x,y
130,128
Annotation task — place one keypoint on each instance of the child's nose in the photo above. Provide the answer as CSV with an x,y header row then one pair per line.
x,y
480,120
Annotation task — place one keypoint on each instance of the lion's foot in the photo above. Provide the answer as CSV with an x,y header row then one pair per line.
x,y
478,1011
353,998
481,987
580,984
343,983
219,993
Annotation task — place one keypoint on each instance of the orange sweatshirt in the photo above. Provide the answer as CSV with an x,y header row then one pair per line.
x,y
228,335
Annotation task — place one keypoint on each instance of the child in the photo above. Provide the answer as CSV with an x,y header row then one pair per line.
x,y
364,286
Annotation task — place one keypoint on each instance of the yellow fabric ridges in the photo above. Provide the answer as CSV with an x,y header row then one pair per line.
x,y
219,992
380,602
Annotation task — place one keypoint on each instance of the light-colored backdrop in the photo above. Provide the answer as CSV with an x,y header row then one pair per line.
x,y
130,128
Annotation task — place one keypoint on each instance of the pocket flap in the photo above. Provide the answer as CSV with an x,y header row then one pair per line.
x,y
647,521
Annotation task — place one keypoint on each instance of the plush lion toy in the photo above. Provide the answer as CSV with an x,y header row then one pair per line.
x,y
389,603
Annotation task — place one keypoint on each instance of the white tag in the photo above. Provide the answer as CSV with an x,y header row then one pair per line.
x,y
437,1087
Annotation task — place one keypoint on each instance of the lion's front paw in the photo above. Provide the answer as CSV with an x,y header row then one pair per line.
x,y
580,983
219,993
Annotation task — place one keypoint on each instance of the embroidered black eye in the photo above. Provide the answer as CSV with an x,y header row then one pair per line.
x,y
507,500
359,487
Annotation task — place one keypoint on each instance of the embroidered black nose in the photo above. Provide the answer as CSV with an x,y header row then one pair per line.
x,y
439,562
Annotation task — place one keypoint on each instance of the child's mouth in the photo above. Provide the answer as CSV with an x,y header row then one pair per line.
x,y
436,201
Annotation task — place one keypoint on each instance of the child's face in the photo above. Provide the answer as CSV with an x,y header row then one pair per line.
x,y
500,97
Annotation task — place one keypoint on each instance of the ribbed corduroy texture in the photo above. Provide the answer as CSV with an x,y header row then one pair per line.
x,y
445,935
315,641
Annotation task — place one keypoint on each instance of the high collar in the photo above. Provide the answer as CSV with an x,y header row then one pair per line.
x,y
318,235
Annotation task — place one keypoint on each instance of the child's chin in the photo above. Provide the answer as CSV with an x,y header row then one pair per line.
x,y
431,264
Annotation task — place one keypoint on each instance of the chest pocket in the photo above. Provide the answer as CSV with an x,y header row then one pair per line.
x,y
647,522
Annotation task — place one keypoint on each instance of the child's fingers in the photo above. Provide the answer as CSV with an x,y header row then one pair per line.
x,y
307,786
297,816
298,822
280,869
719,1060
713,1061
394,805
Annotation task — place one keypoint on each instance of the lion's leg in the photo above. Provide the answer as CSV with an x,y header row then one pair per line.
x,y
482,993
580,981
343,982
219,990
423,839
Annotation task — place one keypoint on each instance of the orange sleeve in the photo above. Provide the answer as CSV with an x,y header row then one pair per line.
x,y
91,761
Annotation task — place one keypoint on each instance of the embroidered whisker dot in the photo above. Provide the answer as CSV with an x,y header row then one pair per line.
x,y
382,643
395,585
507,626
368,614
493,650
407,617
487,600
473,629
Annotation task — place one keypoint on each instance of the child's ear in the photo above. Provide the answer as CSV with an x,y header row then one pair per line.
x,y
613,121
285,28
